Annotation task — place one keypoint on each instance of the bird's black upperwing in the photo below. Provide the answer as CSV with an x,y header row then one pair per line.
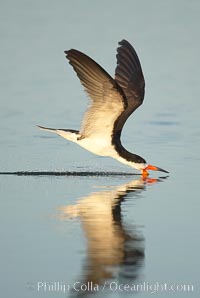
x,y
96,81
129,77
108,99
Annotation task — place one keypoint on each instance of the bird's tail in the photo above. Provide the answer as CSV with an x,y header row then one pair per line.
x,y
47,128
69,134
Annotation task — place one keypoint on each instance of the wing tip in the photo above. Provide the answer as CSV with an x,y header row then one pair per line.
x,y
123,41
126,44
69,52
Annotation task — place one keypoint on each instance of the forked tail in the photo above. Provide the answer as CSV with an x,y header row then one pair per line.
x,y
69,134
47,128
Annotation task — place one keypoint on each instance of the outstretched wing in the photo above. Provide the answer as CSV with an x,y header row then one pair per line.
x,y
129,76
107,98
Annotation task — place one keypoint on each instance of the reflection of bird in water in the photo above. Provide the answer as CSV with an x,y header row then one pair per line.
x,y
113,248
113,101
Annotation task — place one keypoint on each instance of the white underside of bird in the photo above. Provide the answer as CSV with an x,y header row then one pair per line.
x,y
98,145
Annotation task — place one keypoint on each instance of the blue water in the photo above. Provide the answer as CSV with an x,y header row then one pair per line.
x,y
106,234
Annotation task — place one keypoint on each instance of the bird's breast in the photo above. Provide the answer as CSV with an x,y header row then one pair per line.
x,y
97,145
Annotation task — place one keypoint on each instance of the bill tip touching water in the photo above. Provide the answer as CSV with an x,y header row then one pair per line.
x,y
113,100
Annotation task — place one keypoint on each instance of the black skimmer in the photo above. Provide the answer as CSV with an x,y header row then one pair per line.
x,y
112,102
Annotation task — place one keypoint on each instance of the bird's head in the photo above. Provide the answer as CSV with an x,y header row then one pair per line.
x,y
152,168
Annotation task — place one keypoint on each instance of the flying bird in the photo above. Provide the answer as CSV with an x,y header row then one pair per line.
x,y
112,100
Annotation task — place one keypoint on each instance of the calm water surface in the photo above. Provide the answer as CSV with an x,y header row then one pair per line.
x,y
107,235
